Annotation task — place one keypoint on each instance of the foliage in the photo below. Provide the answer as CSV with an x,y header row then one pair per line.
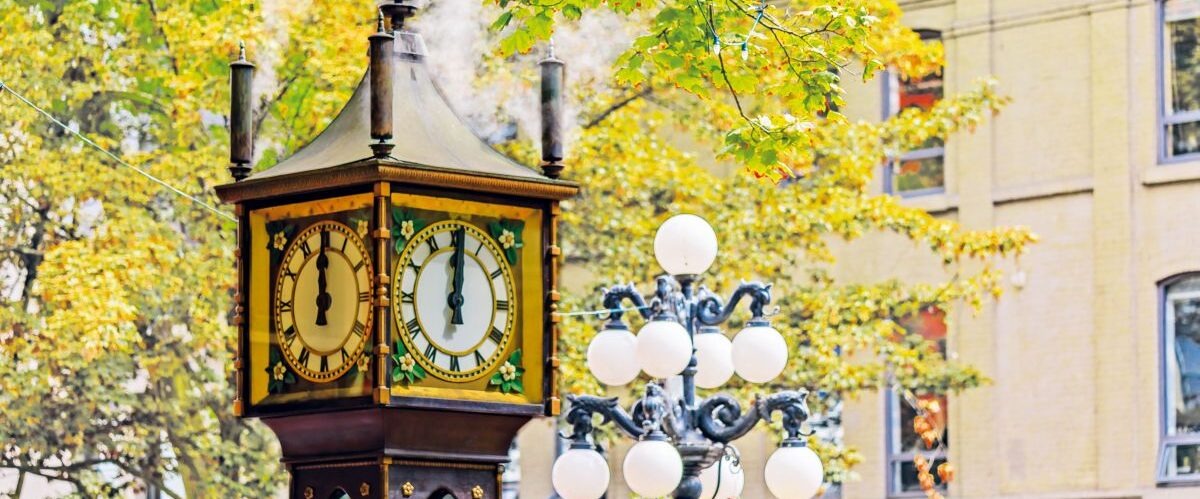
x,y
115,346
774,114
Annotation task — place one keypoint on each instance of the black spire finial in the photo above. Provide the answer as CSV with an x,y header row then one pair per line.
x,y
398,11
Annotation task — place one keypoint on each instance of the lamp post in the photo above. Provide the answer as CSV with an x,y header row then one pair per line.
x,y
680,439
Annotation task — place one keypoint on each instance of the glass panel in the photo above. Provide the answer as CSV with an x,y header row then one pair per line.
x,y
909,440
1183,138
1183,461
1183,59
1183,366
918,174
905,479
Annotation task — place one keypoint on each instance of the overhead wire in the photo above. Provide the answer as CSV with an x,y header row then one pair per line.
x,y
7,89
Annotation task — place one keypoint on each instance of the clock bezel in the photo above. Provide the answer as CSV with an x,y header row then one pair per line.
x,y
401,326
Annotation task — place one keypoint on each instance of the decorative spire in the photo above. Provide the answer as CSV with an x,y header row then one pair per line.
x,y
241,123
553,74
382,48
398,11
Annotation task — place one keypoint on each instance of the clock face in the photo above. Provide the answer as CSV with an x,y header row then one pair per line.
x,y
322,301
454,300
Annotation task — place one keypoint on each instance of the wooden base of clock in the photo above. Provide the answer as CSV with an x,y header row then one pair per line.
x,y
389,452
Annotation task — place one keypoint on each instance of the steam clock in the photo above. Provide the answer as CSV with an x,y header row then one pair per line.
x,y
396,278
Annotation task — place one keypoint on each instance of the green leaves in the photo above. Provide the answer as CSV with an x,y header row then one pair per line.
x,y
405,368
508,377
508,234
278,373
404,225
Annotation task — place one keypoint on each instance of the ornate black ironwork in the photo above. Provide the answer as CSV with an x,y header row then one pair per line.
x,y
700,431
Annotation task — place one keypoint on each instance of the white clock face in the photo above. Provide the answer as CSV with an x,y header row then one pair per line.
x,y
322,304
454,300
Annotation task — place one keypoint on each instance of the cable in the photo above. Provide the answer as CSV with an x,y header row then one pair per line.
x,y
89,142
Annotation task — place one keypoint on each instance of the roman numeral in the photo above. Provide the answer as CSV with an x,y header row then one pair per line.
x,y
324,363
345,355
360,328
501,305
364,296
414,327
405,297
431,353
325,239
305,248
304,357
285,307
287,272
289,334
478,248
496,335
344,241
432,242
479,360
497,273
359,265
454,363
414,265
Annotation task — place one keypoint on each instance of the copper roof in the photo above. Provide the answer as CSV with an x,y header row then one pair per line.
x,y
426,130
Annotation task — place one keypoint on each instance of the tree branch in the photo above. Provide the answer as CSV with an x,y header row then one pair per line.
x,y
617,106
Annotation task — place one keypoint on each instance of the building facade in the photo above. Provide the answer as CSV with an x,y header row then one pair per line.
x,y
1094,351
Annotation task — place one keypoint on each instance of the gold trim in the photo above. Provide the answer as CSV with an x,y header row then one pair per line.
x,y
442,464
382,392
308,493
477,492
364,489
384,479
371,171
332,466
407,489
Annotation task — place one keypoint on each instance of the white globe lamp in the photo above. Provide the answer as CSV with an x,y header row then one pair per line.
x,y
794,472
685,245
612,356
714,358
759,352
663,348
653,467
723,480
580,474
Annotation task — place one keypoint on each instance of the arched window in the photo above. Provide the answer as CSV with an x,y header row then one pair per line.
x,y
1179,459
922,170
442,494
339,493
1179,66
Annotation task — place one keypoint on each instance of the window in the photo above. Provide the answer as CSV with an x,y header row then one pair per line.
x,y
903,442
1180,65
920,171
1179,459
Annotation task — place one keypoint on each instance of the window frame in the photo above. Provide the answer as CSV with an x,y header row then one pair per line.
x,y
892,458
1164,118
1166,440
891,88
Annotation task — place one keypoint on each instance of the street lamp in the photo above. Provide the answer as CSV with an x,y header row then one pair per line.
x,y
680,439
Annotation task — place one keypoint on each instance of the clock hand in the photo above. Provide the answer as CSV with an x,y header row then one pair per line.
x,y
455,300
324,299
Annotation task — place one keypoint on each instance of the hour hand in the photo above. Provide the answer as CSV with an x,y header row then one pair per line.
x,y
455,300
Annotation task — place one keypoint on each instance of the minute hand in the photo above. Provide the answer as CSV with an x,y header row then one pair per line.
x,y
455,300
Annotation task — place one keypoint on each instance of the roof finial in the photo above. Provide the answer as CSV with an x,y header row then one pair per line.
x,y
550,53
241,50
380,27
399,11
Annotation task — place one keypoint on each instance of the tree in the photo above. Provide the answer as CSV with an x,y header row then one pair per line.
x,y
114,342
115,347
763,81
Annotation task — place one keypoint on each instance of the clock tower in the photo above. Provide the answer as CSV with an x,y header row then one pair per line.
x,y
396,282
